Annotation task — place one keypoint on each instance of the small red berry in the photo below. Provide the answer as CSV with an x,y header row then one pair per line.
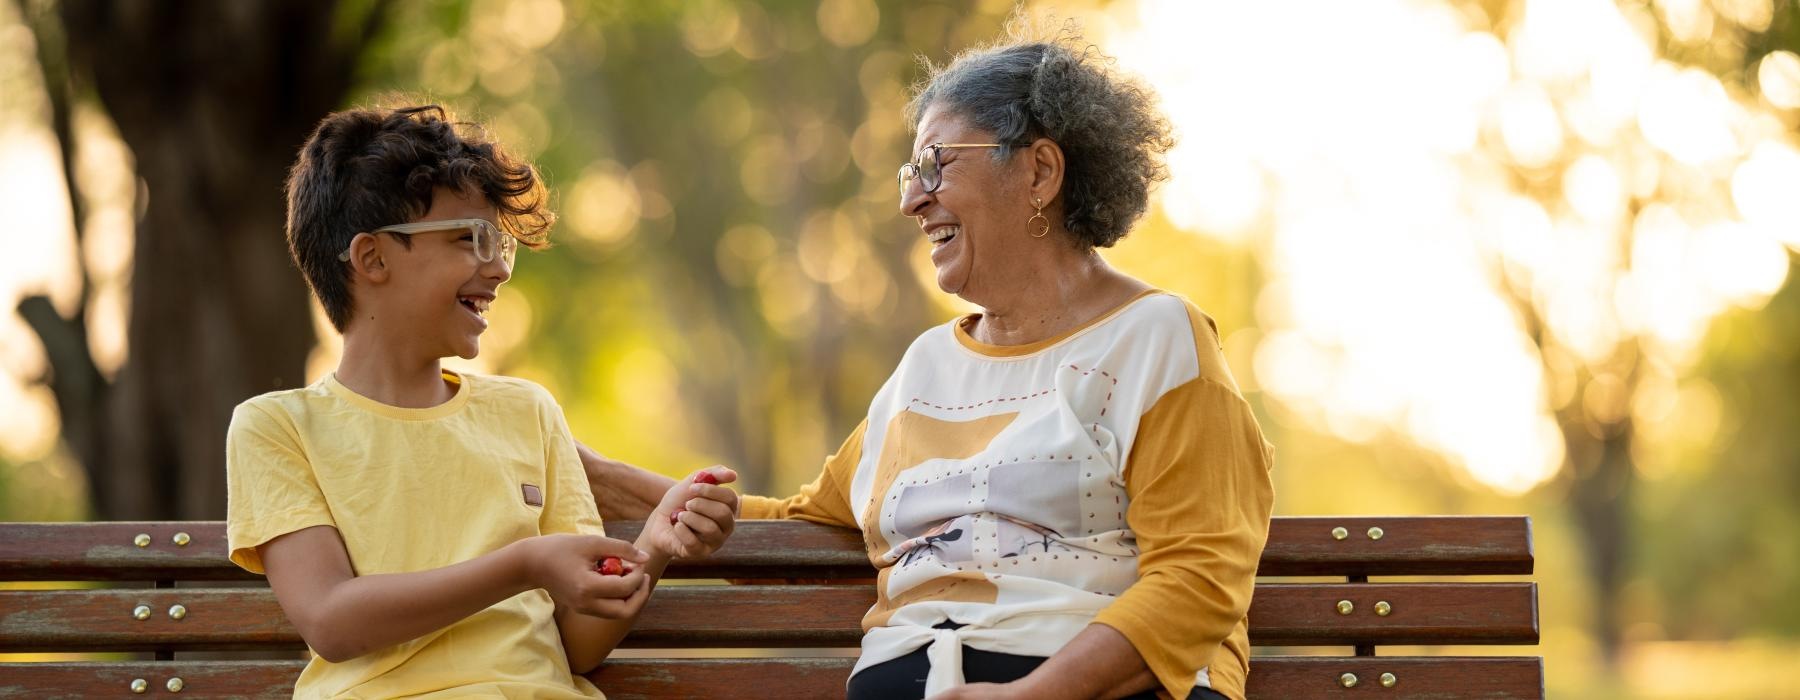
x,y
612,566
701,478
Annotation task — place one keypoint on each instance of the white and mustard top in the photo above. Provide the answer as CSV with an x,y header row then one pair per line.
x,y
1111,475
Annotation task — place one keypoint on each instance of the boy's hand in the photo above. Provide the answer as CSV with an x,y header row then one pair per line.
x,y
567,566
696,516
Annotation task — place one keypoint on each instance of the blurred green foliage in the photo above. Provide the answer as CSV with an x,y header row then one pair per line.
x,y
731,283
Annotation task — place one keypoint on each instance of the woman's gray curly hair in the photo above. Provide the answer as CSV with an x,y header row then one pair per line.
x,y
1112,134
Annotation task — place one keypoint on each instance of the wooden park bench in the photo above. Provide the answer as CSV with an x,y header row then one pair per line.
x,y
160,602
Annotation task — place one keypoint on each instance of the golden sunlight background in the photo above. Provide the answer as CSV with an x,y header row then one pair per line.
x,y
1496,256
1421,219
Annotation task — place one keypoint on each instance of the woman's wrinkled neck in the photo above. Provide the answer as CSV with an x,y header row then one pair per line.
x,y
1049,296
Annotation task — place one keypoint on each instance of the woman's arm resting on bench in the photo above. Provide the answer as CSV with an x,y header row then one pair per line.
x,y
622,491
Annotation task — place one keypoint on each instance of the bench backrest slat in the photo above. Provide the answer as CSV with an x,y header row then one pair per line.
x,y
1298,546
1281,614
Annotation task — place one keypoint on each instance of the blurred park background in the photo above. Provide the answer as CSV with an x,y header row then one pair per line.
x,y
1483,256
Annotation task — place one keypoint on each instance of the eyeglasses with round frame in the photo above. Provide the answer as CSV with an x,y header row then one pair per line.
x,y
930,173
490,241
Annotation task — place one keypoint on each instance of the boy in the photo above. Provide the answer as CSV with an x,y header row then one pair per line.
x,y
431,533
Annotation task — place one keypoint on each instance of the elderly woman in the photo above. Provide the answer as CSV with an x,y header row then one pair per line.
x,y
1064,495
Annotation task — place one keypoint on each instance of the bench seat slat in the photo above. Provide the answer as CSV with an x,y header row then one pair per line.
x,y
1298,546
774,616
1418,678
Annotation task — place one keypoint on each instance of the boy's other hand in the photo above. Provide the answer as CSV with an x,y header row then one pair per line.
x,y
567,566
695,516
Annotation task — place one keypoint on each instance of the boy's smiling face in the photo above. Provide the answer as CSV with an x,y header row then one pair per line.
x,y
431,296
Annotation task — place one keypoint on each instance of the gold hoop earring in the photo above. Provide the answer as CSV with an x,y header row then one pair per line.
x,y
1043,228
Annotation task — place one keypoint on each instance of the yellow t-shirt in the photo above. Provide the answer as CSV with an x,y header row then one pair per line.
x,y
414,490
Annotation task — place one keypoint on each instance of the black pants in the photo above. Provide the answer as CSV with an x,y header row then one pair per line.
x,y
904,678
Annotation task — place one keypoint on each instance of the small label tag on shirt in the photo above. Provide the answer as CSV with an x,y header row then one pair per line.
x,y
534,496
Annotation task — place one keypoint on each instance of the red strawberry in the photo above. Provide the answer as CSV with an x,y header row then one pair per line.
x,y
701,478
612,566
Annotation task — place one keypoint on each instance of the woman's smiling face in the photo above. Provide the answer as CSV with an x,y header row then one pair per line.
x,y
977,205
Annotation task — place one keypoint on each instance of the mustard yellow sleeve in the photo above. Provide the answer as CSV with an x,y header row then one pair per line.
x,y
568,503
826,500
269,484
1198,479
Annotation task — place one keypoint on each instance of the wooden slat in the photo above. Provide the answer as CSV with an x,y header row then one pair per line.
x,y
1271,677
661,679
1412,545
106,552
1422,613
772,616
102,620
1297,546
753,616
227,619
1416,677
253,680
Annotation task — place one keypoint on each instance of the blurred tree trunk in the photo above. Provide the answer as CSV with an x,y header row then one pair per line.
x,y
1598,467
1601,471
214,99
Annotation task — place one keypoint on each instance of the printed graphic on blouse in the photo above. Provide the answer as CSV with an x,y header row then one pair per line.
x,y
961,501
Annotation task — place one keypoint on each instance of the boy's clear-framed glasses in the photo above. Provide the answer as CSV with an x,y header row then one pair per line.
x,y
928,168
490,241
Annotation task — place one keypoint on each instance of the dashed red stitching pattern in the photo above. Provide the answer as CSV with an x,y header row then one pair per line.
x,y
1095,428
1033,395
923,402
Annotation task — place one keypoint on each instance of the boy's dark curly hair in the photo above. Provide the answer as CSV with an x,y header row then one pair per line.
x,y
363,169
1112,135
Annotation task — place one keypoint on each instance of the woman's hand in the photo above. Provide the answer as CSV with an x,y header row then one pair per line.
x,y
695,516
